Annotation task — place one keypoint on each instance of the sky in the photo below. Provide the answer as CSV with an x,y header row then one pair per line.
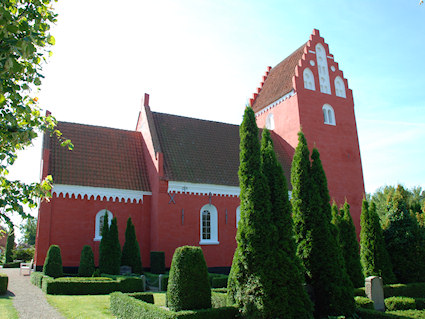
x,y
205,59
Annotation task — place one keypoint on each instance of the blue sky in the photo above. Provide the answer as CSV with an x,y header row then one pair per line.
x,y
204,59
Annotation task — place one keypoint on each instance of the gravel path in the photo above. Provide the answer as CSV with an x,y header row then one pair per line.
x,y
29,300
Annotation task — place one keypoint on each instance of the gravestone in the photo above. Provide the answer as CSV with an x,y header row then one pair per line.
x,y
375,291
124,270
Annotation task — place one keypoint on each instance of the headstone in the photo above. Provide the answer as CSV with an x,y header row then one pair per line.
x,y
124,270
375,291
160,282
144,282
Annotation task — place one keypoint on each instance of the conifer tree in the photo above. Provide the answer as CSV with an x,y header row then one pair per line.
x,y
10,243
373,253
334,293
131,250
404,239
115,248
350,247
86,268
249,281
53,263
288,299
104,246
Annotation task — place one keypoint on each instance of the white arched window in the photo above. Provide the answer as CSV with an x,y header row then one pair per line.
x,y
270,122
322,67
98,225
308,79
209,225
339,87
328,115
238,215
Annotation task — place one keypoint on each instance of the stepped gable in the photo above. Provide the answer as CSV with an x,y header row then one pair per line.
x,y
278,81
102,157
204,152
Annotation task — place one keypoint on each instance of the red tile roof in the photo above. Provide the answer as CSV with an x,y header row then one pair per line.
x,y
279,81
102,157
200,151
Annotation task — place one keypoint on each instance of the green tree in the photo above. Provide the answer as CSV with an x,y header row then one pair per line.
x,y
131,250
86,268
373,253
188,285
10,244
25,42
104,246
248,283
29,231
350,247
404,239
287,296
53,263
115,248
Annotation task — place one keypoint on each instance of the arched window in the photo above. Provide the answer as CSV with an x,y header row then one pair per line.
x,y
322,67
209,225
308,79
339,87
99,223
270,122
238,215
328,115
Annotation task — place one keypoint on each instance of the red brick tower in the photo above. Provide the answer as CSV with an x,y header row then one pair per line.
x,y
308,90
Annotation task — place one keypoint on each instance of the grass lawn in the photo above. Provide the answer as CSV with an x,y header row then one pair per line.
x,y
7,310
82,307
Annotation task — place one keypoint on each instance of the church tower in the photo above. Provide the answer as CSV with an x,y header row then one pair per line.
x,y
308,91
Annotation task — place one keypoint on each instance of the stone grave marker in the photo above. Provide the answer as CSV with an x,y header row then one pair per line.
x,y
124,270
375,291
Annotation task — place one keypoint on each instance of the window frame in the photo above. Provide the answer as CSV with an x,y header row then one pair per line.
x,y
328,115
212,210
97,230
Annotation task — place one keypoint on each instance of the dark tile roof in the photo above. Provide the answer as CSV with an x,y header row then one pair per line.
x,y
279,81
200,151
102,157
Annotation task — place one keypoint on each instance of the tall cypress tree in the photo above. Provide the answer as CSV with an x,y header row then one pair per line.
x,y
104,246
334,293
373,253
10,243
350,247
131,250
404,239
288,299
115,248
249,281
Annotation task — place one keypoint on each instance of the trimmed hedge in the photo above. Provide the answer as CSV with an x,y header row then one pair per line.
x,y
218,300
53,263
86,267
90,285
36,278
143,296
157,262
218,280
364,302
12,265
125,307
414,290
360,292
399,303
221,290
373,314
4,280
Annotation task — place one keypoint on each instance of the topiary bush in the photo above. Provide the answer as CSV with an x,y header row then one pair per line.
x,y
157,262
131,250
86,268
10,243
53,263
188,285
399,303
364,302
4,280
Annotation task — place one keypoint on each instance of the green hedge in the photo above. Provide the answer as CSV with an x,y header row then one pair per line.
x,y
90,285
360,292
218,280
373,314
125,307
415,290
37,278
218,300
12,265
399,303
364,302
4,280
420,303
222,290
143,296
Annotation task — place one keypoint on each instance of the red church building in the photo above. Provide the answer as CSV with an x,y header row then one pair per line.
x,y
177,176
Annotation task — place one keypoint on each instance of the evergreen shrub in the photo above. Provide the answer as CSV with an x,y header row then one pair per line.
x,y
53,263
364,302
4,280
36,278
399,303
157,262
131,250
415,290
188,285
126,307
12,265
373,314
10,243
219,281
86,268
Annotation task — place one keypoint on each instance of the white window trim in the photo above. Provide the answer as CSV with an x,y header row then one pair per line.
x,y
326,110
214,225
340,87
270,122
97,230
309,83
238,215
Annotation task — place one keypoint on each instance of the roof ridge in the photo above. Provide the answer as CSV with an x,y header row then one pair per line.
x,y
193,118
97,126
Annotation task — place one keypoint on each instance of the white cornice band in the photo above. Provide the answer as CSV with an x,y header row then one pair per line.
x,y
272,105
108,194
203,189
